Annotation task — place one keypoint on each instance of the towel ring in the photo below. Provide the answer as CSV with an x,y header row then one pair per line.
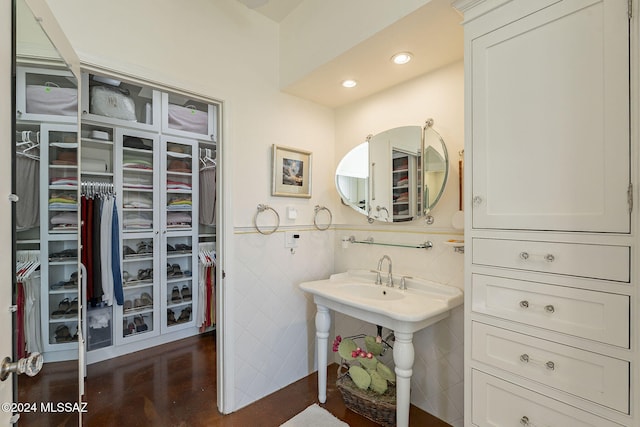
x,y
317,210
262,208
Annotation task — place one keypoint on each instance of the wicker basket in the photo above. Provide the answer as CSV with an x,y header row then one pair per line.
x,y
379,408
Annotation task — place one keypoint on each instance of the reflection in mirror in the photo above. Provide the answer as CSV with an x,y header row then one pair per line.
x,y
352,178
46,249
388,177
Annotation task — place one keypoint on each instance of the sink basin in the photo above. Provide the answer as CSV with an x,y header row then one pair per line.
x,y
381,293
355,293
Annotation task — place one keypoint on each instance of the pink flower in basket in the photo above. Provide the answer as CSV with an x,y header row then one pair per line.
x,y
365,369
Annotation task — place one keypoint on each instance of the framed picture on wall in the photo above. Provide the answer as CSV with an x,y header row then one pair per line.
x,y
291,172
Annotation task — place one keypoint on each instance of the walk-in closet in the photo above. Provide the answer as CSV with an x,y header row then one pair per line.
x,y
116,214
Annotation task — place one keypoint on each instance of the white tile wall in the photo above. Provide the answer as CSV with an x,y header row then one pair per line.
x,y
273,319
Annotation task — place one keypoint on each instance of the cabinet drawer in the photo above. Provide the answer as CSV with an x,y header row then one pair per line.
x,y
593,315
592,376
573,259
499,403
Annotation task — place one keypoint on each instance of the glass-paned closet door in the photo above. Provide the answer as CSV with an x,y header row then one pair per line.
x,y
137,154
179,233
59,238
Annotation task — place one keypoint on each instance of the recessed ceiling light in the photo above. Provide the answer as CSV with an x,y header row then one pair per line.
x,y
401,58
349,83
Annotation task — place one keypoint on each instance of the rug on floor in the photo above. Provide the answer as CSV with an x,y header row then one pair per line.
x,y
315,416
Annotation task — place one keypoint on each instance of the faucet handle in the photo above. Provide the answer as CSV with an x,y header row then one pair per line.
x,y
403,283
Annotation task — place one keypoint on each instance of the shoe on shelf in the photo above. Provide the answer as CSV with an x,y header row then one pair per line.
x,y
63,306
146,299
176,271
72,311
62,334
140,325
175,295
171,317
186,293
185,315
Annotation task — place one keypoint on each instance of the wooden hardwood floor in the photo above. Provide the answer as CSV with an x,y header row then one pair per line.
x,y
175,385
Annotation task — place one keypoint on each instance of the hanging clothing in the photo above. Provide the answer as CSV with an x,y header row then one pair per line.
x,y
20,315
207,193
105,249
96,288
28,191
32,325
115,256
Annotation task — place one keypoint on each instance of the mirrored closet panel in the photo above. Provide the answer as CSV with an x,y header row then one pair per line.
x,y
46,248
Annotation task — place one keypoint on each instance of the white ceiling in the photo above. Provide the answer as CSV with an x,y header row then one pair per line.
x,y
432,33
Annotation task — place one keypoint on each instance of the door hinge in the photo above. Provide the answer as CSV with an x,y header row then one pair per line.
x,y
224,274
630,197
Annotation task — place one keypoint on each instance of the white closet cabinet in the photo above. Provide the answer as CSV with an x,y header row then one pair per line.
x,y
550,300
59,241
179,225
138,177
550,124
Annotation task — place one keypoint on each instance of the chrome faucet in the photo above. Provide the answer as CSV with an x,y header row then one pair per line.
x,y
390,276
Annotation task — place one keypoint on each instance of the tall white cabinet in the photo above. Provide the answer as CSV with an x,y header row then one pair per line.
x,y
551,292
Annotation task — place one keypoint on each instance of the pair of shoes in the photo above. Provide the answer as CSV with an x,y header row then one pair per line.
x,y
185,315
173,270
62,334
179,295
182,247
66,308
145,274
171,317
139,324
63,306
145,247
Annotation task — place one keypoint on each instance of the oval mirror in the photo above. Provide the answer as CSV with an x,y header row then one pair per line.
x,y
388,177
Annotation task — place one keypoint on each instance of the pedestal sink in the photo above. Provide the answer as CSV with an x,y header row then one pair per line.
x,y
355,294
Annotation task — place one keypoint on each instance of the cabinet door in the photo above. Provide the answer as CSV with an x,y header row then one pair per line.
x,y
179,225
551,120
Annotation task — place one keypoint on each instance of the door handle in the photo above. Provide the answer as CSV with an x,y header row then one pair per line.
x,y
28,365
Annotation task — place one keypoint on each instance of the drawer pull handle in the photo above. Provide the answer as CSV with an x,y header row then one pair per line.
x,y
548,257
524,304
524,421
549,308
526,359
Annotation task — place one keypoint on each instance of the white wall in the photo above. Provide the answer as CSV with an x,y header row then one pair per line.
x,y
437,382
